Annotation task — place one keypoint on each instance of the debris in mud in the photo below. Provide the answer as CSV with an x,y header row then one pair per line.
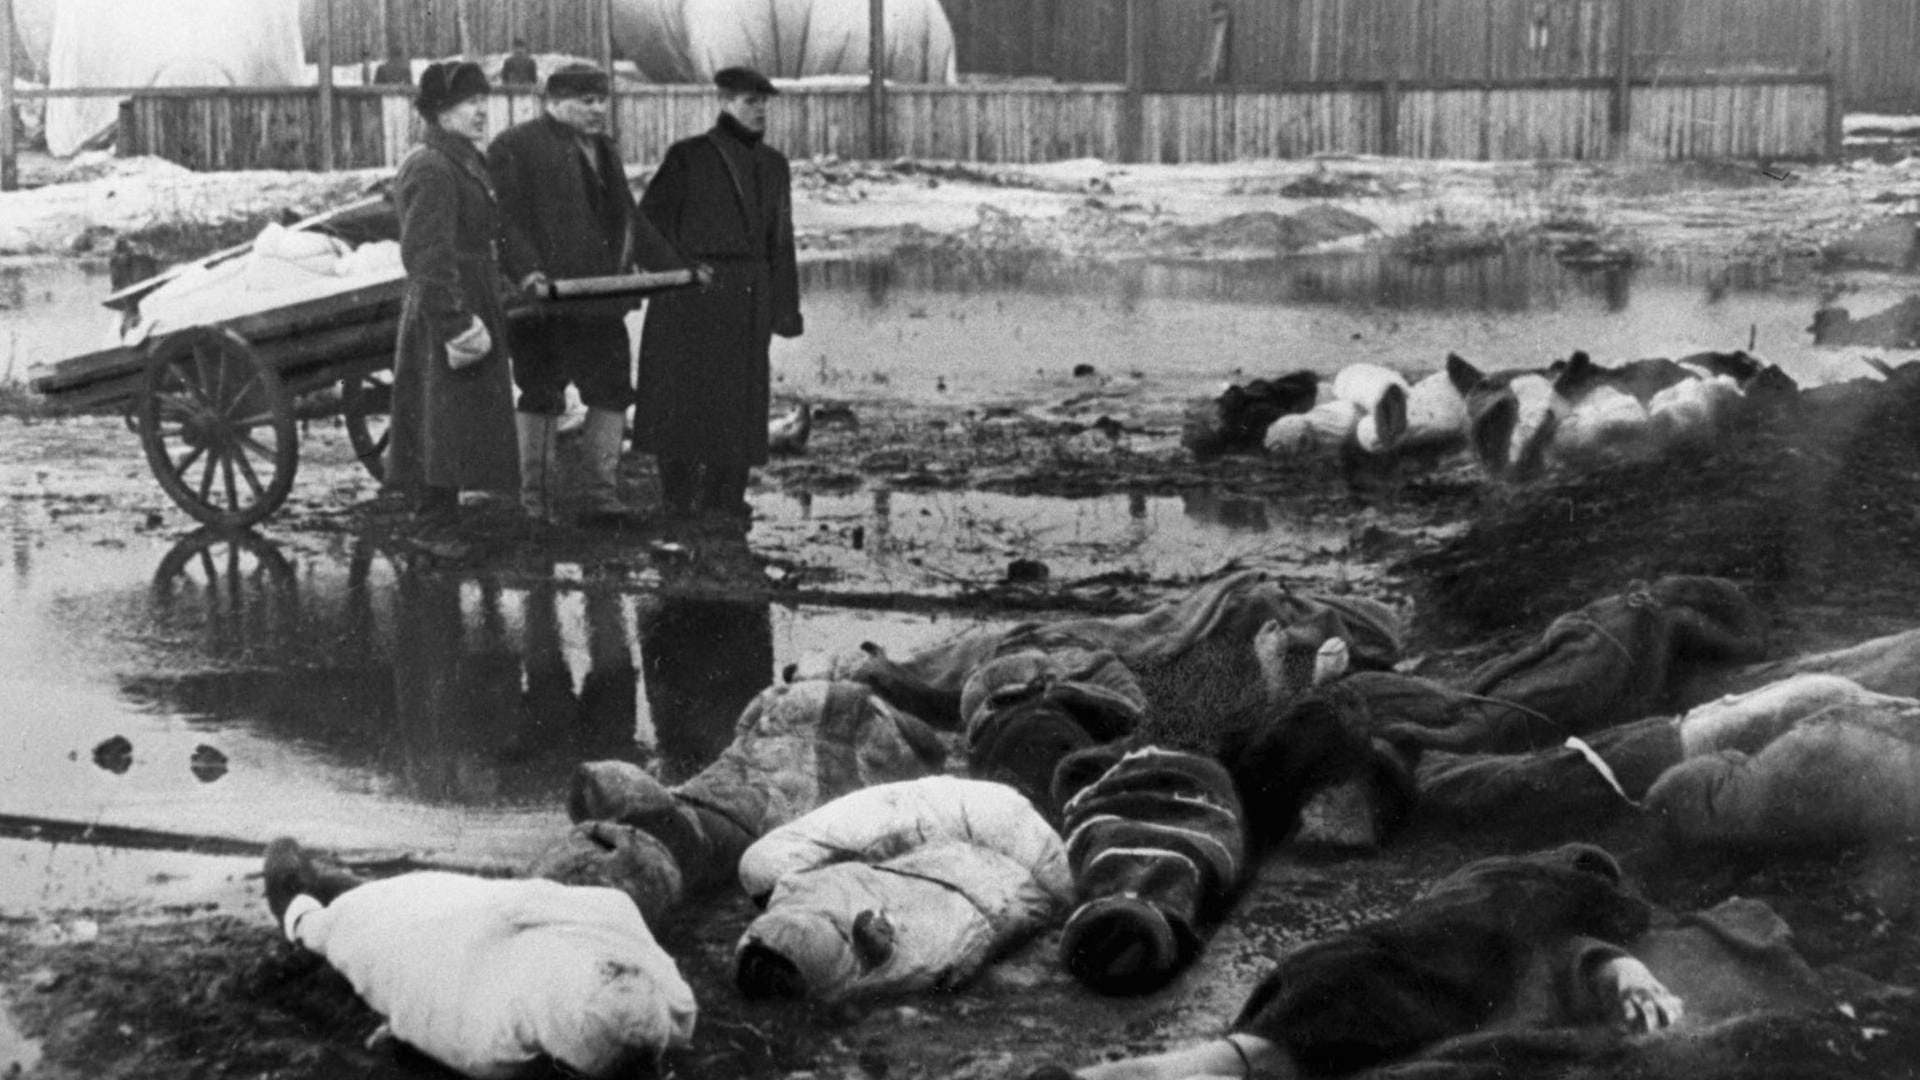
x,y
114,754
1436,241
1897,327
1027,570
208,763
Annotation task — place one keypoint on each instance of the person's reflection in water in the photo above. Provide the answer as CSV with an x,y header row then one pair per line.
x,y
548,705
454,702
609,695
1237,512
559,724
704,659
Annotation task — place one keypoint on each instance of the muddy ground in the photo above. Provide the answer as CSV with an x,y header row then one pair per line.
x,y
1819,519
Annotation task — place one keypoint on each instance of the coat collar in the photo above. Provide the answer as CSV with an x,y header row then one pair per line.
x,y
461,152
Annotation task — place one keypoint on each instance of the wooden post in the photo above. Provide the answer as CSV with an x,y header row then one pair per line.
x,y
606,63
1622,111
1133,119
877,79
1389,38
9,159
326,85
463,29
1841,27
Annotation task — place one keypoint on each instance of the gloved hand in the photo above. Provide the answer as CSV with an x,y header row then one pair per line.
x,y
469,346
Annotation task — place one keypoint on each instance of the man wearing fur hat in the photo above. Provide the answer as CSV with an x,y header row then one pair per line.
x,y
723,199
566,212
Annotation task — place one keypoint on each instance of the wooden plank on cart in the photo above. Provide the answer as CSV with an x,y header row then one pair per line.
x,y
286,333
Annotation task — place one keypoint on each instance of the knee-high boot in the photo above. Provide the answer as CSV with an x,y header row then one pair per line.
x,y
724,492
600,440
676,485
538,437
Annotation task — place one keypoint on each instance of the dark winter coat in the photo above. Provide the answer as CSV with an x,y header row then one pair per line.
x,y
562,218
1510,938
450,428
1157,844
724,199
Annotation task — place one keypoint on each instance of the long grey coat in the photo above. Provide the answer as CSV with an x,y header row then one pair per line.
x,y
724,199
451,428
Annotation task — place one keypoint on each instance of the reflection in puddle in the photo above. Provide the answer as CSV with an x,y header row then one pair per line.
x,y
230,688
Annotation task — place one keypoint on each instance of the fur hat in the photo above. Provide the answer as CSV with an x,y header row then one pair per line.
x,y
448,83
743,80
578,80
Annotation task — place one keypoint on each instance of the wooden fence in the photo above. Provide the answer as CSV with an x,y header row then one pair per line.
x,y
1758,117
1868,45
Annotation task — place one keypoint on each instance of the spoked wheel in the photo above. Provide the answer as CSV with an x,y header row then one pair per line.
x,y
218,429
235,587
367,404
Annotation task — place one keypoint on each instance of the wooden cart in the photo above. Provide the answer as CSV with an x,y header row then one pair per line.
x,y
216,405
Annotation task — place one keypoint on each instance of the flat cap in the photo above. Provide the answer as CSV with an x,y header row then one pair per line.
x,y
578,80
743,80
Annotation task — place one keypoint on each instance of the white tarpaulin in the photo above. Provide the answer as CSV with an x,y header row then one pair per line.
x,y
163,43
688,40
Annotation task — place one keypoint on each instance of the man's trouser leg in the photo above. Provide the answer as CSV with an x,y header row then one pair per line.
x,y
676,485
538,438
600,443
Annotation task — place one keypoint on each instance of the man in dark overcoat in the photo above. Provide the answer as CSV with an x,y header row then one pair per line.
x,y
723,199
566,212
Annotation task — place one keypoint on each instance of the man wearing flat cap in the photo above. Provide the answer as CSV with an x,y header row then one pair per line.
x,y
566,212
723,199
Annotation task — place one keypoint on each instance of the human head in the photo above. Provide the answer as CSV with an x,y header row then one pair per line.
x,y
519,45
453,96
576,95
743,96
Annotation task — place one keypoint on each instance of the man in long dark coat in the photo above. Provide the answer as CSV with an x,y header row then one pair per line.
x,y
566,212
723,199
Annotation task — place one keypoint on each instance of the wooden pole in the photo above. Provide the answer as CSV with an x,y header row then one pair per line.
x,y
326,85
1623,79
1133,107
9,159
606,63
463,29
877,78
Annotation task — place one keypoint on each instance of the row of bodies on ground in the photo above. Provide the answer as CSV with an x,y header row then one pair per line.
x,y
902,823
1514,423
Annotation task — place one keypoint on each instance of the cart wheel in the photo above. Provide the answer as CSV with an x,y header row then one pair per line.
x,y
218,428
366,401
234,587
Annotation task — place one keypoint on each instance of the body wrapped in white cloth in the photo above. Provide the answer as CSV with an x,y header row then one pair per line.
x,y
487,976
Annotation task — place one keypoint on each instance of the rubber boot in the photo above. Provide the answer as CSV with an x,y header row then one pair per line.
x,y
676,486
539,439
600,439
724,493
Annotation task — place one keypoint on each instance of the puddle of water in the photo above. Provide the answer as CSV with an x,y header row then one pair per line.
x,y
50,310
38,877
931,541
1014,330
328,694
